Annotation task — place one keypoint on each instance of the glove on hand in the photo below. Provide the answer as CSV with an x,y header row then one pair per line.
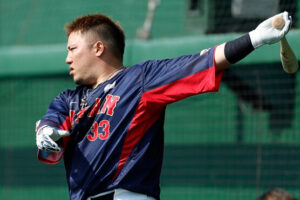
x,y
47,136
265,33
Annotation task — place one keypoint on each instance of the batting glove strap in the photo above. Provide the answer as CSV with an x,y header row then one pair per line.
x,y
265,33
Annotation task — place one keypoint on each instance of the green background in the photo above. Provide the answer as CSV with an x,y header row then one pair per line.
x,y
226,145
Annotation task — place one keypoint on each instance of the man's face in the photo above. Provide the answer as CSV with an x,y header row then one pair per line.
x,y
81,58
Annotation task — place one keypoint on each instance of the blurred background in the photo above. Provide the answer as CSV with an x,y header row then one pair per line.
x,y
234,144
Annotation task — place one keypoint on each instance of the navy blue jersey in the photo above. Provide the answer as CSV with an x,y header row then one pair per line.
x,y
116,129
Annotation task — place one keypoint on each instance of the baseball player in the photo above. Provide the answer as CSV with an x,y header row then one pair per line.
x,y
110,128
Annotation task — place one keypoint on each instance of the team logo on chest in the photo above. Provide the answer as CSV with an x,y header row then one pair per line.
x,y
100,130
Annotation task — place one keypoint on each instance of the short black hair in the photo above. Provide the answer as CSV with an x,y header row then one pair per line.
x,y
107,30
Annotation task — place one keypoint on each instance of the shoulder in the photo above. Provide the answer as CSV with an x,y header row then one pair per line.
x,y
70,93
144,66
154,64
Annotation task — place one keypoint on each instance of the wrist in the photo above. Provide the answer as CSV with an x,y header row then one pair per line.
x,y
254,38
239,48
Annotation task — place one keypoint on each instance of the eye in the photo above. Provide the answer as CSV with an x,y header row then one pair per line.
x,y
71,48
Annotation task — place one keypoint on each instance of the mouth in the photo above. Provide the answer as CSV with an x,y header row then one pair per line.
x,y
71,73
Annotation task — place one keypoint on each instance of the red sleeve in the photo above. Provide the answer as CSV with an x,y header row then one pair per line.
x,y
197,76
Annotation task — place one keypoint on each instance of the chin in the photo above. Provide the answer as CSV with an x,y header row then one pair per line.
x,y
78,81
81,82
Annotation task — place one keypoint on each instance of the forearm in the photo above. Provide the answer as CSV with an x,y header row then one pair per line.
x,y
221,61
232,52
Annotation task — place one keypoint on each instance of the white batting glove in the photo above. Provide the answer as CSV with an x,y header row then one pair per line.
x,y
47,136
265,33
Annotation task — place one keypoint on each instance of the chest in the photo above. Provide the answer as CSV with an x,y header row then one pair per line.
x,y
110,101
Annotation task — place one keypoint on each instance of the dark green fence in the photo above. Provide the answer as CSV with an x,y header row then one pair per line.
x,y
233,144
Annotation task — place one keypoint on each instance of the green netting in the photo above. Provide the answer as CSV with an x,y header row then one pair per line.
x,y
234,144
223,145
30,22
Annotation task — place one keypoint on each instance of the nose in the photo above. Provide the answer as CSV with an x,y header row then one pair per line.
x,y
68,59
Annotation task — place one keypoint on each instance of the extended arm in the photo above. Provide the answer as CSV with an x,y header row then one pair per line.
x,y
235,50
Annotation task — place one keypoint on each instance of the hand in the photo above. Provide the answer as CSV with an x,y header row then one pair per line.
x,y
47,136
265,33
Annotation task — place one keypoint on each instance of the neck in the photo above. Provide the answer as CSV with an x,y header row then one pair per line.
x,y
105,76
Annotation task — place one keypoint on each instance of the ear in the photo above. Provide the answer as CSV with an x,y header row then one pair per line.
x,y
99,48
